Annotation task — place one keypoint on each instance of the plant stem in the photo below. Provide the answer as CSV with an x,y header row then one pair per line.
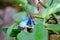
x,y
44,21
42,4
37,16
54,18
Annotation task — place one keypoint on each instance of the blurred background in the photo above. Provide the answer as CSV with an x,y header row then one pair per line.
x,y
7,10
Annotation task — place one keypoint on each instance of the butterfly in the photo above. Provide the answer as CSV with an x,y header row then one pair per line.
x,y
26,22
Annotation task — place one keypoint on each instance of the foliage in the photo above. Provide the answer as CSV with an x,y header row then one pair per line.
x,y
38,30
43,23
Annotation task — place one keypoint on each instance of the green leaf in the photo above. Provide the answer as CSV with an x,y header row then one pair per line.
x,y
58,21
31,8
51,10
53,27
20,16
52,2
56,2
24,36
39,33
58,12
38,20
22,2
13,33
4,30
49,3
10,30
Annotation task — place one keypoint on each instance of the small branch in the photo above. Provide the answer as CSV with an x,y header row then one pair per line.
x,y
48,19
54,18
42,3
37,16
44,21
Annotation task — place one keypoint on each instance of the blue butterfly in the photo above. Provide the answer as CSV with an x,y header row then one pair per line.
x,y
26,22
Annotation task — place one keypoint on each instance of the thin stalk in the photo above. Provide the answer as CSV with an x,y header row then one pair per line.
x,y
44,21
42,3
48,19
54,18
37,16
